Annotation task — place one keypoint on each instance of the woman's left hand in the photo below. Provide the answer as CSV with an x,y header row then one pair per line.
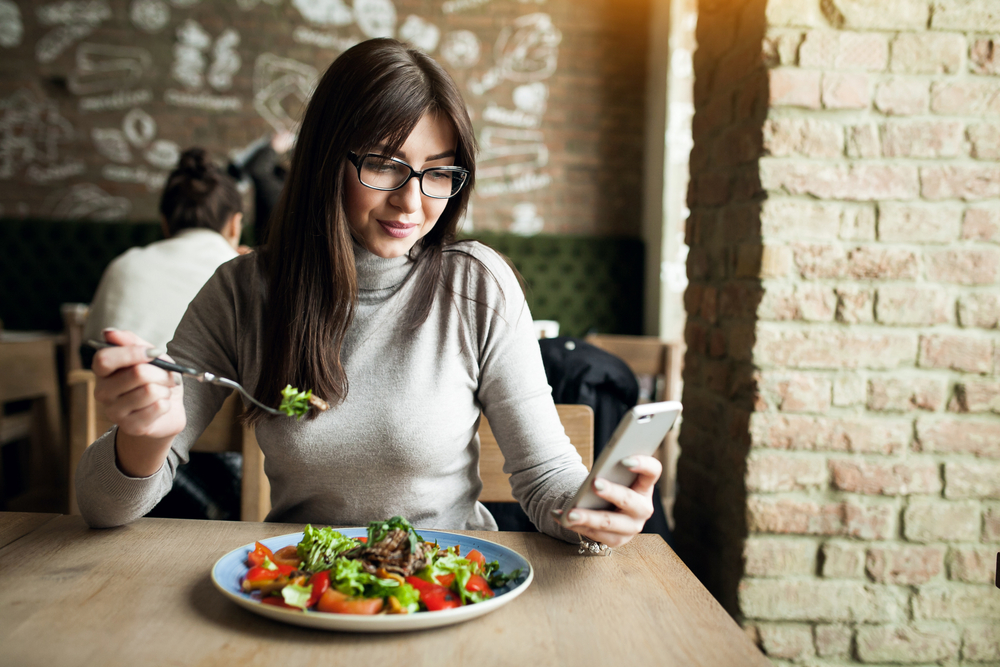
x,y
635,505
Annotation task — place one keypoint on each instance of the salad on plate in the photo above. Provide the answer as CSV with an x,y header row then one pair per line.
x,y
392,570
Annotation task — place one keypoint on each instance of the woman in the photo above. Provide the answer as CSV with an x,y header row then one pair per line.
x,y
362,294
146,290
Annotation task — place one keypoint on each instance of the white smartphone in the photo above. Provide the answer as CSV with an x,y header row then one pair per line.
x,y
640,431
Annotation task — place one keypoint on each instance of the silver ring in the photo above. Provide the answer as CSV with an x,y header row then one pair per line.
x,y
589,547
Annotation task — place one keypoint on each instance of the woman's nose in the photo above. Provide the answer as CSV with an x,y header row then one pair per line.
x,y
407,198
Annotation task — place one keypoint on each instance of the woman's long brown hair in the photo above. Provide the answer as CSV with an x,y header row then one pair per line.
x,y
373,94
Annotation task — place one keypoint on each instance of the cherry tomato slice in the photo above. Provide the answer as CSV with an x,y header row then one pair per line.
x,y
478,584
320,583
260,552
278,602
260,573
335,602
476,557
434,596
446,580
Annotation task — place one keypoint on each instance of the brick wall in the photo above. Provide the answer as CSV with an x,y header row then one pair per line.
x,y
840,471
97,97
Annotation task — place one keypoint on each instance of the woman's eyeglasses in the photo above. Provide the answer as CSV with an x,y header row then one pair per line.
x,y
379,172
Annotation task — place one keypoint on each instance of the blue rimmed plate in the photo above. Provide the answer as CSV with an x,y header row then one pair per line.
x,y
228,573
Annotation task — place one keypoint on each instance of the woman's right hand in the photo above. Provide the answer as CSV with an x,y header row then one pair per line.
x,y
146,402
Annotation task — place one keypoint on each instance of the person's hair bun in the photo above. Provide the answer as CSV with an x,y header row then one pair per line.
x,y
198,194
194,163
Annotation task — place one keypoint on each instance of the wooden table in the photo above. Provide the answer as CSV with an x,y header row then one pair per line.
x,y
141,595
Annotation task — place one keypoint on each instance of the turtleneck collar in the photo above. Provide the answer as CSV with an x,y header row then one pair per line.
x,y
379,273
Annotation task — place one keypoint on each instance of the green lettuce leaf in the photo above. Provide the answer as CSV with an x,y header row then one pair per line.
x,y
319,548
294,403
297,596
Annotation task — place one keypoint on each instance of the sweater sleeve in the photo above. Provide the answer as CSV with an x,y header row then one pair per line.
x,y
205,340
545,469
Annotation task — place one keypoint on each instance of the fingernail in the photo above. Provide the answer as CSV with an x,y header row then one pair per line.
x,y
600,484
154,352
574,517
107,329
629,462
178,380
557,513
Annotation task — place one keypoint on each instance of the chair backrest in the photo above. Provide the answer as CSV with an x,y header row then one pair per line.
x,y
578,420
647,356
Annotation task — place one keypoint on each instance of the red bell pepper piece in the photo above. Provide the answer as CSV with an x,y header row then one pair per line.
x,y
320,583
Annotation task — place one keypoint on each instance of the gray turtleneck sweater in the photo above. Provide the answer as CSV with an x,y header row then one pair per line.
x,y
404,440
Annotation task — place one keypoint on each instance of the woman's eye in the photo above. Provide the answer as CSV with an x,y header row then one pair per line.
x,y
441,176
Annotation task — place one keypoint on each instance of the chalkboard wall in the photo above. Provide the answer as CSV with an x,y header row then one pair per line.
x,y
97,97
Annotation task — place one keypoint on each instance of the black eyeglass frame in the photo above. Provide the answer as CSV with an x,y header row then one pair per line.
x,y
358,160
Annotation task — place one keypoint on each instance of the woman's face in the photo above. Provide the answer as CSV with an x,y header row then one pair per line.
x,y
388,224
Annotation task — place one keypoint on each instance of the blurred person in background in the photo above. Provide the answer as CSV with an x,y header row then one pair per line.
x,y
147,289
264,164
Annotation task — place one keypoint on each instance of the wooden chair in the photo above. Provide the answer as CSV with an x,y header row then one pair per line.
x,y
578,420
650,357
223,434
28,375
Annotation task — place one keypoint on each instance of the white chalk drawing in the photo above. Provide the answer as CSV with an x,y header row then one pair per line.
x,y
189,59
530,100
75,20
507,152
73,11
281,87
163,154
11,26
57,172
526,51
139,128
31,131
52,44
204,101
226,61
120,99
149,15
422,34
120,173
511,117
524,183
190,62
86,201
452,6
376,18
325,40
103,67
139,131
527,222
112,144
460,49
509,161
324,12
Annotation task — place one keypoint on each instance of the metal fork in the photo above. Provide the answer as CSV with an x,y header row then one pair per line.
x,y
200,376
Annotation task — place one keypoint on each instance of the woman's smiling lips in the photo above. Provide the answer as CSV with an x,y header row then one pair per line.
x,y
397,229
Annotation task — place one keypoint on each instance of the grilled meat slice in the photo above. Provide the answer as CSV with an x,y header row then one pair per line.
x,y
392,554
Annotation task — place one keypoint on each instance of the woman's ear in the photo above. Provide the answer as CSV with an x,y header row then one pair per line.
x,y
233,229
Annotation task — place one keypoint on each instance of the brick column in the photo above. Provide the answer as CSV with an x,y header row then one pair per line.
x,y
839,481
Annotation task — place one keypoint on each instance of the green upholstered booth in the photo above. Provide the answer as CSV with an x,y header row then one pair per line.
x,y
585,283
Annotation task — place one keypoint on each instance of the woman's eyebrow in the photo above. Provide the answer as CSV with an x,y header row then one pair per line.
x,y
440,156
